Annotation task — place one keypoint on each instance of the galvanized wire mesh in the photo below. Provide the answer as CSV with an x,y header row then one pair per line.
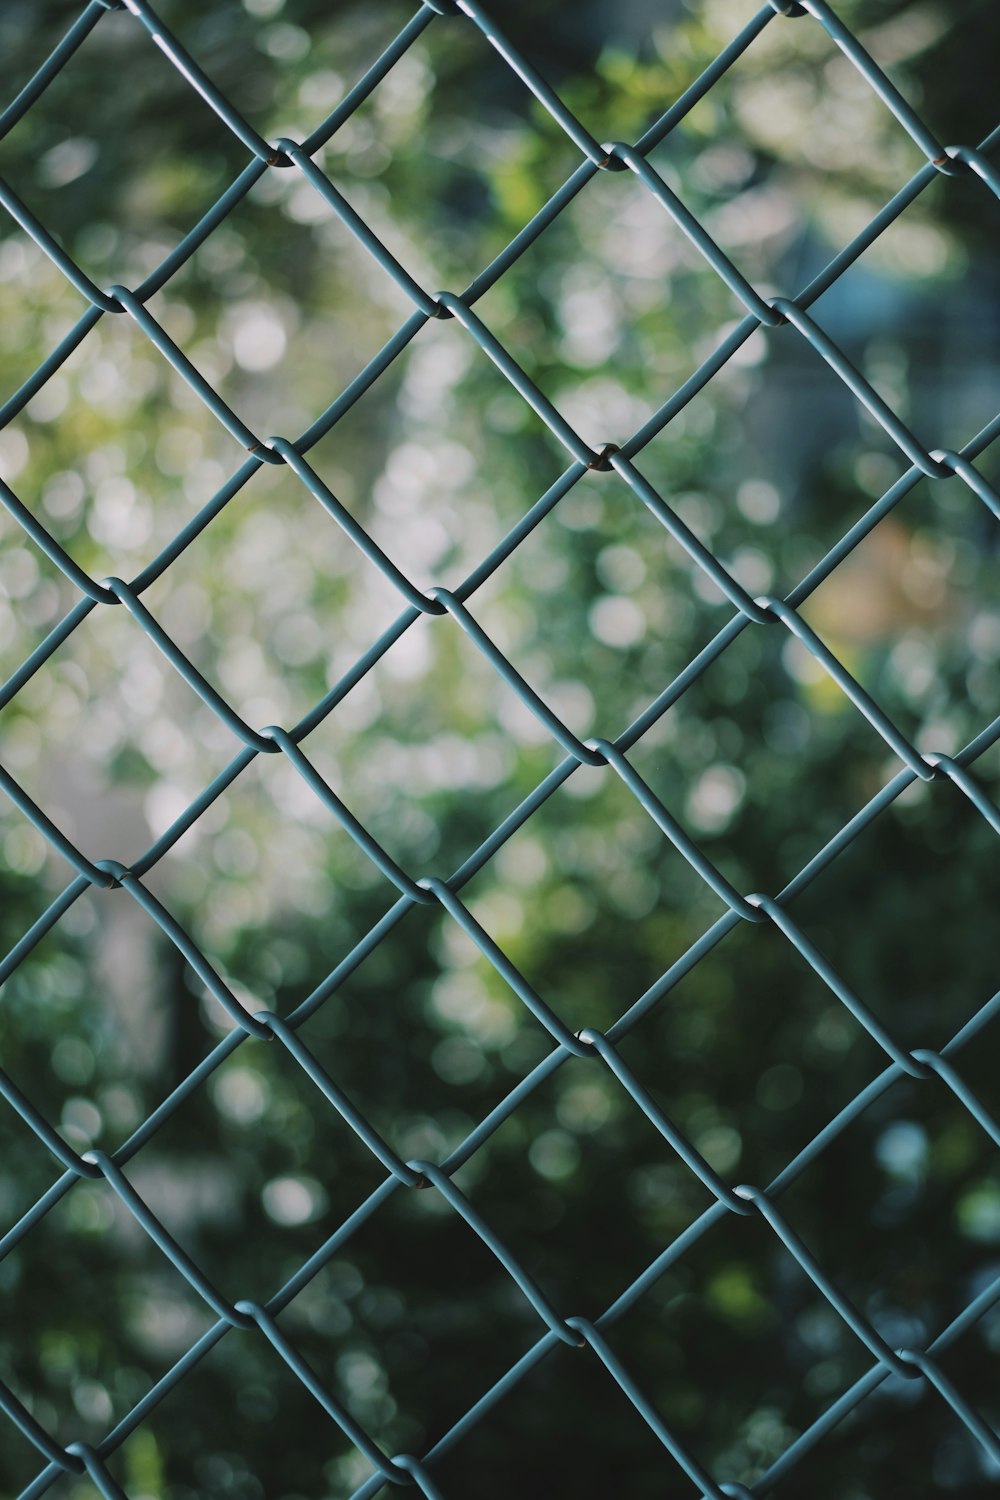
x,y
621,454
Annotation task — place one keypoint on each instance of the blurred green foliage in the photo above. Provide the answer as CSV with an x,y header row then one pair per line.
x,y
761,759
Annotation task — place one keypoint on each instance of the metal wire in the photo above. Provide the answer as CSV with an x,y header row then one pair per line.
x,y
937,1069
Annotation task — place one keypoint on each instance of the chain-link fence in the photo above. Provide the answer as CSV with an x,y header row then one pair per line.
x,y
455,610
